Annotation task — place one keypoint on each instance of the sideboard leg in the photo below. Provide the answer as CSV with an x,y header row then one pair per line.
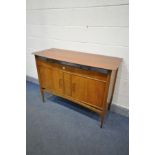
x,y
102,118
42,94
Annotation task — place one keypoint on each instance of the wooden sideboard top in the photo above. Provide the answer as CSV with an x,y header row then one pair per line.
x,y
87,59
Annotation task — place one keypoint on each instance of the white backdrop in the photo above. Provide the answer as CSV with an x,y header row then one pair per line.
x,y
94,26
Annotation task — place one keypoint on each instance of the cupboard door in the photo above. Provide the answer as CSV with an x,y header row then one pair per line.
x,y
88,90
45,77
67,84
51,79
96,92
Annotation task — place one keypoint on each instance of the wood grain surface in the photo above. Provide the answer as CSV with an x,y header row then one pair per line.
x,y
92,60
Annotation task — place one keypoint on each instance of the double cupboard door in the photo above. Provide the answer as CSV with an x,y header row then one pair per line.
x,y
75,86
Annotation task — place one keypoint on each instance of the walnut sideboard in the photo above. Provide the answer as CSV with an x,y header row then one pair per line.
x,y
85,79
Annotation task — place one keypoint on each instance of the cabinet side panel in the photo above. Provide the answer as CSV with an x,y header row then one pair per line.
x,y
38,71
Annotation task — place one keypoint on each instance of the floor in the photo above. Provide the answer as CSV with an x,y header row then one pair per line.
x,y
58,127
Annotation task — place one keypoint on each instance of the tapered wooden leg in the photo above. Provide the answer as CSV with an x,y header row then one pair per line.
x,y
42,94
102,118
109,106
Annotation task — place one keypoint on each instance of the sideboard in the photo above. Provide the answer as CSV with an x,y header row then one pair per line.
x,y
86,79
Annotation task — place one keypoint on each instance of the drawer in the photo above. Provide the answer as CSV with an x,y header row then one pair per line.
x,y
75,69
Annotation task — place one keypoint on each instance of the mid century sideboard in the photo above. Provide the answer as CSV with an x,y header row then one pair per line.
x,y
85,79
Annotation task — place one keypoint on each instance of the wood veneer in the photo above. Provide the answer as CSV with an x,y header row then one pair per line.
x,y
92,60
85,79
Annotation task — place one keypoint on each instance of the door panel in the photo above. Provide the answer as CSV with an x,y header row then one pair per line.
x,y
79,88
57,81
95,92
51,79
88,90
45,76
